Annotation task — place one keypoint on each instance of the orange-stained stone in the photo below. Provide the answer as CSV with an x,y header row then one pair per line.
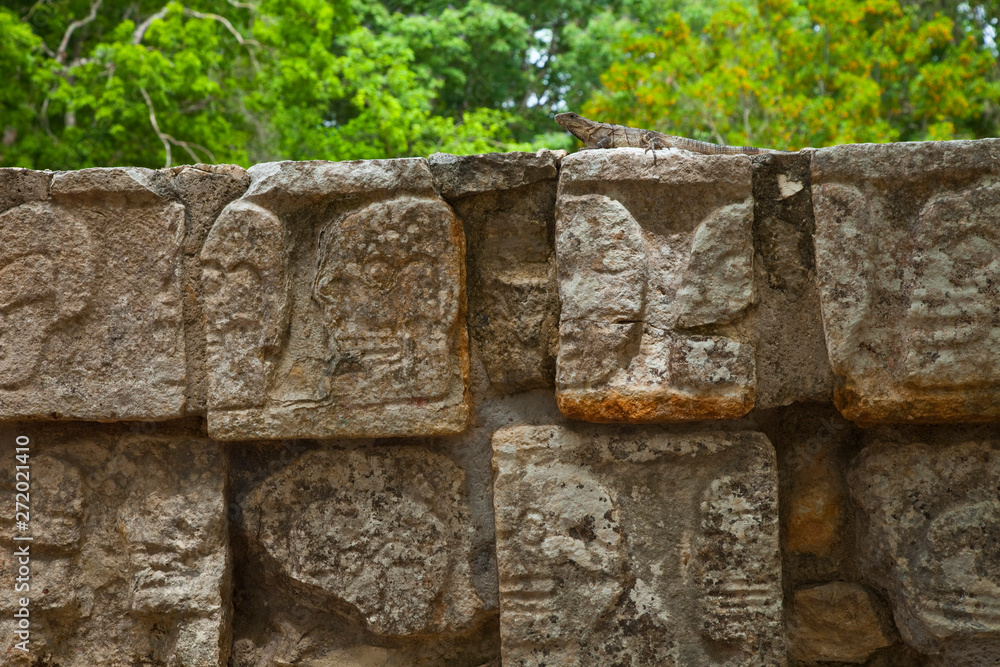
x,y
654,299
907,240
815,517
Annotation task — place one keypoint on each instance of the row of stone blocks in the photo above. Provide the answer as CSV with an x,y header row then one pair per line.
x,y
337,300
318,299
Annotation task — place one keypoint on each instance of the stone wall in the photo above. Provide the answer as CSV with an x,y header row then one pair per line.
x,y
518,409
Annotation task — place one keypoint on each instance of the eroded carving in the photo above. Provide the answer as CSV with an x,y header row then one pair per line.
x,y
130,556
90,315
603,552
654,286
384,533
907,240
346,304
930,521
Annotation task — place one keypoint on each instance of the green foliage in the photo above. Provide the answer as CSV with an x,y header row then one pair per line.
x,y
154,82
792,74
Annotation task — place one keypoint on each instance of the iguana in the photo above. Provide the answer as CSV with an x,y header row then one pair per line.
x,y
606,135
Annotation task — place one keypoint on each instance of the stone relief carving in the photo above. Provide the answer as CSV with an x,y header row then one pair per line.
x,y
506,202
90,315
641,545
907,239
655,274
345,304
930,519
384,534
130,557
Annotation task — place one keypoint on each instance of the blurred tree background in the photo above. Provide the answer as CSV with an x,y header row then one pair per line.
x,y
149,82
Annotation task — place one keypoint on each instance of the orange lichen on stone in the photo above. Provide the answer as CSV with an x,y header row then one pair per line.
x,y
963,405
610,406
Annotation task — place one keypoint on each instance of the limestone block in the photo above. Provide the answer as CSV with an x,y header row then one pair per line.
x,y
20,186
908,261
91,323
836,622
384,534
637,547
655,274
506,202
129,557
929,526
791,359
335,304
204,189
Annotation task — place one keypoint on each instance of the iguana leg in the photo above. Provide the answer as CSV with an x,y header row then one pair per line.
x,y
653,144
650,144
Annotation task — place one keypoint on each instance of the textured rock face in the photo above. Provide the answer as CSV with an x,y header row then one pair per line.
x,y
336,306
506,202
204,190
908,258
930,517
791,358
836,622
655,273
129,557
91,323
298,302
637,547
382,533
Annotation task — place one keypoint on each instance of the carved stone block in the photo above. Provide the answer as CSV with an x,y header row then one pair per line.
x,y
507,204
655,270
930,520
130,552
336,307
637,547
91,323
381,534
908,260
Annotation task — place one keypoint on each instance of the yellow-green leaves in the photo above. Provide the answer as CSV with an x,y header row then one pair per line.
x,y
789,73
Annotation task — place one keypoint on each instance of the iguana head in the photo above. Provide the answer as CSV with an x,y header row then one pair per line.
x,y
577,125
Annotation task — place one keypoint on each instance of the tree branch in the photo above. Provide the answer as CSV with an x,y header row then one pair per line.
x,y
44,119
229,26
166,139
156,127
64,44
140,30
31,12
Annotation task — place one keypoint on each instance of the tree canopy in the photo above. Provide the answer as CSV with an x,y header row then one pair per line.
x,y
149,82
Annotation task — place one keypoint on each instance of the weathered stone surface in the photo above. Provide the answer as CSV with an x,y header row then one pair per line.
x,y
506,202
929,525
791,359
458,176
382,533
204,189
637,547
90,313
908,259
129,557
20,186
836,622
655,274
336,305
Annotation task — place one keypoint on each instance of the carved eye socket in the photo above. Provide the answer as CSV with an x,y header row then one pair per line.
x,y
379,275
